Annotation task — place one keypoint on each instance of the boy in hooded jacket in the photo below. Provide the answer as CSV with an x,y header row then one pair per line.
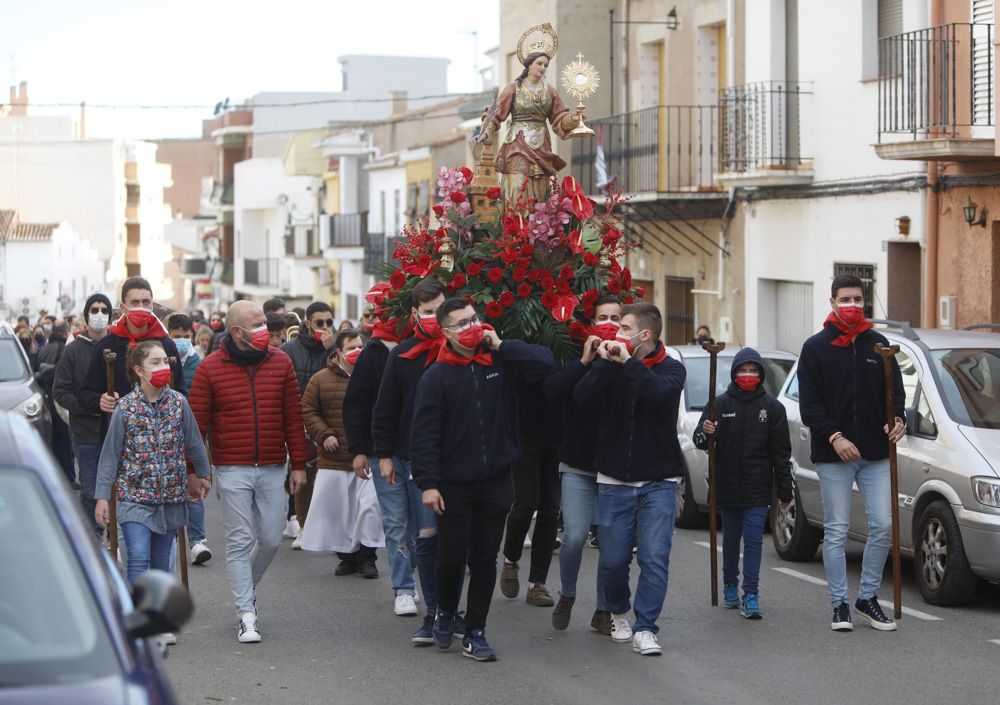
x,y
752,462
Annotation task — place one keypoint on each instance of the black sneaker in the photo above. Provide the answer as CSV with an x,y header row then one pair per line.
x,y
872,611
346,568
425,635
367,569
444,629
841,621
460,624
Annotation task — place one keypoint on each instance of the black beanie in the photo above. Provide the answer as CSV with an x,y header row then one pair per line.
x,y
90,301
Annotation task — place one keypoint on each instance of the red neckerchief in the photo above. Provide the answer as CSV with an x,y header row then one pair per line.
x,y
155,331
846,333
655,357
433,347
386,330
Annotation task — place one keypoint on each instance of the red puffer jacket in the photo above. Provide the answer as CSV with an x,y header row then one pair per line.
x,y
252,415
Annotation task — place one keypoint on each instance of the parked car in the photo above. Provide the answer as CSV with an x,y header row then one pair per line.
x,y
692,495
949,465
19,391
70,630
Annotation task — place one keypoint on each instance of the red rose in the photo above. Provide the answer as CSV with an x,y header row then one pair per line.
x,y
626,278
629,299
590,259
398,279
468,297
522,263
548,282
577,331
466,174
563,287
527,250
474,269
457,197
614,286
589,311
590,297
438,210
640,291
506,299
493,309
614,267
495,275
457,281
534,275
612,236
566,273
493,193
524,290
520,274
549,299
508,256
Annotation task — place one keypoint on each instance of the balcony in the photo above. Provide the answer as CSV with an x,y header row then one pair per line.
x,y
759,126
261,272
378,251
345,230
664,149
195,267
935,94
222,193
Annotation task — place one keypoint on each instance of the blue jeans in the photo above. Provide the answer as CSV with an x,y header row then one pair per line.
x,y
579,500
196,521
644,517
87,456
836,480
410,532
746,523
146,550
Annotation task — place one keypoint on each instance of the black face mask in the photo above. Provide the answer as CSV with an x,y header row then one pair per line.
x,y
26,344
39,339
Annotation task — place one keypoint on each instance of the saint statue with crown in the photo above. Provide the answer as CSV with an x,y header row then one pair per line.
x,y
525,162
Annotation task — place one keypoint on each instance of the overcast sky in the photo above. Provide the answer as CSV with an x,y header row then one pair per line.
x,y
200,51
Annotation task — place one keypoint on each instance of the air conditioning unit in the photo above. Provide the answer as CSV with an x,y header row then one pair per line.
x,y
947,311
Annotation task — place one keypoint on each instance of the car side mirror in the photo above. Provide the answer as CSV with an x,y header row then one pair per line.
x,y
911,420
161,605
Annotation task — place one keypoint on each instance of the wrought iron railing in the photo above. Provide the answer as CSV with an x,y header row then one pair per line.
x,y
376,253
665,148
936,81
760,127
346,229
261,272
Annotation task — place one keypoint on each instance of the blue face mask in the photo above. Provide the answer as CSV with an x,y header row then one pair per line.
x,y
183,346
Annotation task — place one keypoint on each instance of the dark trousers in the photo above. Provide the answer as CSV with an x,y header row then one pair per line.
x,y
536,488
365,554
62,446
470,530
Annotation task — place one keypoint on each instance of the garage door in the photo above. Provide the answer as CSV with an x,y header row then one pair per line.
x,y
793,315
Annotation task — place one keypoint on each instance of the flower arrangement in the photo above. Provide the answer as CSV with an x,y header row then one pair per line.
x,y
535,271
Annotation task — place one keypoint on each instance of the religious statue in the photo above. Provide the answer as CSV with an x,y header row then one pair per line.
x,y
526,162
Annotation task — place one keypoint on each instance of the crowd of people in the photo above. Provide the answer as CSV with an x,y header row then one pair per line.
x,y
443,444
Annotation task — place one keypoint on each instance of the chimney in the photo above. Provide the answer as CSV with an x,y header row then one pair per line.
x,y
19,100
398,103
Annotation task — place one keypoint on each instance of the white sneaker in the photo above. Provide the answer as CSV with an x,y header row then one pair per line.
x,y
405,606
200,553
416,596
645,643
297,543
248,633
292,529
621,630
168,638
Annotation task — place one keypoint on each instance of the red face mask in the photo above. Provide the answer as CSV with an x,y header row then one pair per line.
x,y
317,335
471,337
351,356
160,378
260,338
607,330
215,325
140,317
627,341
850,314
429,326
747,381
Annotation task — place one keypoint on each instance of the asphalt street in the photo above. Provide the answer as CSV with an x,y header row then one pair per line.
x,y
336,640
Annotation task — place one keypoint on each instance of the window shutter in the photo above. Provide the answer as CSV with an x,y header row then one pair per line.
x,y
982,62
890,17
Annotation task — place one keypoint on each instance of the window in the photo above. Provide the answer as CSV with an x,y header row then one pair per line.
x,y
793,387
866,273
925,419
970,385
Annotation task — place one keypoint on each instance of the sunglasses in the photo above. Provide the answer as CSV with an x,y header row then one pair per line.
x,y
323,323
99,309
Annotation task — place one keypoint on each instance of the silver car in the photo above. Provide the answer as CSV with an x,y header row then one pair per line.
x,y
949,465
19,392
692,495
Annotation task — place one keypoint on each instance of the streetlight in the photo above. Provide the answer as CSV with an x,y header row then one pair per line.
x,y
672,23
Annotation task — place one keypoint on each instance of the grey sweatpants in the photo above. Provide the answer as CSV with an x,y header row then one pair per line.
x,y
253,516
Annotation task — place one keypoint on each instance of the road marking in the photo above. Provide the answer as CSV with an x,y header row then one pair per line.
x,y
801,576
913,613
994,641
706,544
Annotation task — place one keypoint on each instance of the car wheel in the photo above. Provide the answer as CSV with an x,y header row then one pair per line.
x,y
942,570
686,513
795,539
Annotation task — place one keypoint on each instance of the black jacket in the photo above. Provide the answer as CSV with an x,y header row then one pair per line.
x,y
579,442
637,417
393,412
843,389
541,418
308,357
362,391
752,446
465,421
71,370
95,383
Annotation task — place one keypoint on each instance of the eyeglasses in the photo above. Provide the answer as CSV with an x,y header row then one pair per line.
x,y
323,323
464,324
99,309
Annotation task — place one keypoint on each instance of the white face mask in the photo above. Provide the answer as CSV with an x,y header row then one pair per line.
x,y
98,321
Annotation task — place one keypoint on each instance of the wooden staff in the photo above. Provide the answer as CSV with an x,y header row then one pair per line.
x,y
713,350
182,531
888,353
109,366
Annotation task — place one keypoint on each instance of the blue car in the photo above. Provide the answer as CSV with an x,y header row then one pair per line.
x,y
71,631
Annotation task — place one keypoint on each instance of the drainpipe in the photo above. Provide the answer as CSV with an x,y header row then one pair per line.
x,y
933,208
